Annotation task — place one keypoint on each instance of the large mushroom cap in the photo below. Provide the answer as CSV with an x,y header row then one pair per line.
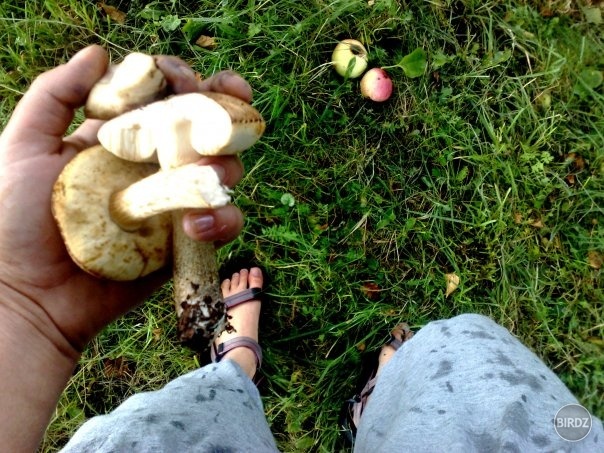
x,y
80,204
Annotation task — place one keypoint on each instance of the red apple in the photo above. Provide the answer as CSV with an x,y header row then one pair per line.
x,y
376,85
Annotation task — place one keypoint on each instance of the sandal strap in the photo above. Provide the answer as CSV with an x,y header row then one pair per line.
x,y
405,333
241,297
395,343
361,400
356,405
219,351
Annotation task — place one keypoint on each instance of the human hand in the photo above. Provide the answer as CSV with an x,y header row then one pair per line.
x,y
39,283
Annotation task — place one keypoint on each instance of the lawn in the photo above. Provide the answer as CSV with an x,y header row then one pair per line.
x,y
488,164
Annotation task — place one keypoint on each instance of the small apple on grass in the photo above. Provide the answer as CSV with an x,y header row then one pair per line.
x,y
349,53
376,85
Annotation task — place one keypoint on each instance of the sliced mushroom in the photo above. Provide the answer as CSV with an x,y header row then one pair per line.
x,y
134,82
120,227
183,128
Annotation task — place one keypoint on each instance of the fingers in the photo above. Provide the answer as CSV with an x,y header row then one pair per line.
x,y
46,110
223,224
229,168
219,225
228,82
179,75
182,79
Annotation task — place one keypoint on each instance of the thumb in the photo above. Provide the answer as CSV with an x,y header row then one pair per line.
x,y
46,110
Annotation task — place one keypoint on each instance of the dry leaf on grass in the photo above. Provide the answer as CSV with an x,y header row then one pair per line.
x,y
371,290
576,165
114,13
207,42
595,259
452,281
116,368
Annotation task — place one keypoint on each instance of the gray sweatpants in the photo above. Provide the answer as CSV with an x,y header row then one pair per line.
x,y
463,384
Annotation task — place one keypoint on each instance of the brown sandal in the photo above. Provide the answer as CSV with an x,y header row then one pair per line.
x,y
353,407
218,351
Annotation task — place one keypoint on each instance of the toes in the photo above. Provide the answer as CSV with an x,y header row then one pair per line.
x,y
242,284
255,278
242,280
225,286
235,281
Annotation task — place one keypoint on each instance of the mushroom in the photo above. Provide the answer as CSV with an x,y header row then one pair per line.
x,y
113,209
134,82
119,227
176,132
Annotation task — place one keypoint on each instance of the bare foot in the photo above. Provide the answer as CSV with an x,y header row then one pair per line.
x,y
243,318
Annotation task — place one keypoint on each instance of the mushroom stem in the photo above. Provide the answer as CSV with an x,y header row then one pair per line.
x,y
197,296
199,305
189,186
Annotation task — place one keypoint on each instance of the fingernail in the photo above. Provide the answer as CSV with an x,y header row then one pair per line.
x,y
203,224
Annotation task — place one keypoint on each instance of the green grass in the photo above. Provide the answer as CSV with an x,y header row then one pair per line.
x,y
467,169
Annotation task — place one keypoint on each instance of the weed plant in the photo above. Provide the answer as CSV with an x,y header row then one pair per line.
x,y
489,166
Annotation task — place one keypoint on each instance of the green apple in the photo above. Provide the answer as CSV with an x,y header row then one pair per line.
x,y
346,51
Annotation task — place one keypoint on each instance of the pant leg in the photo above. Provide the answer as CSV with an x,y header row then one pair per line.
x,y
466,384
214,408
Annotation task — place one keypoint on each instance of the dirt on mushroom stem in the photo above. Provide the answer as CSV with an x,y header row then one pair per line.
x,y
198,300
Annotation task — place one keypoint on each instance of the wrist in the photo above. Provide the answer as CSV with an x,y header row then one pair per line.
x,y
36,363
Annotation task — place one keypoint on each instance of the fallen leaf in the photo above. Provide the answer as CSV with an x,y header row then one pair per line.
x,y
116,368
113,13
157,334
517,218
452,281
597,341
595,259
206,42
536,223
593,15
546,12
576,162
371,290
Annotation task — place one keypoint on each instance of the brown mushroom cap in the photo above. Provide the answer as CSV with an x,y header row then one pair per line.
x,y
80,204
